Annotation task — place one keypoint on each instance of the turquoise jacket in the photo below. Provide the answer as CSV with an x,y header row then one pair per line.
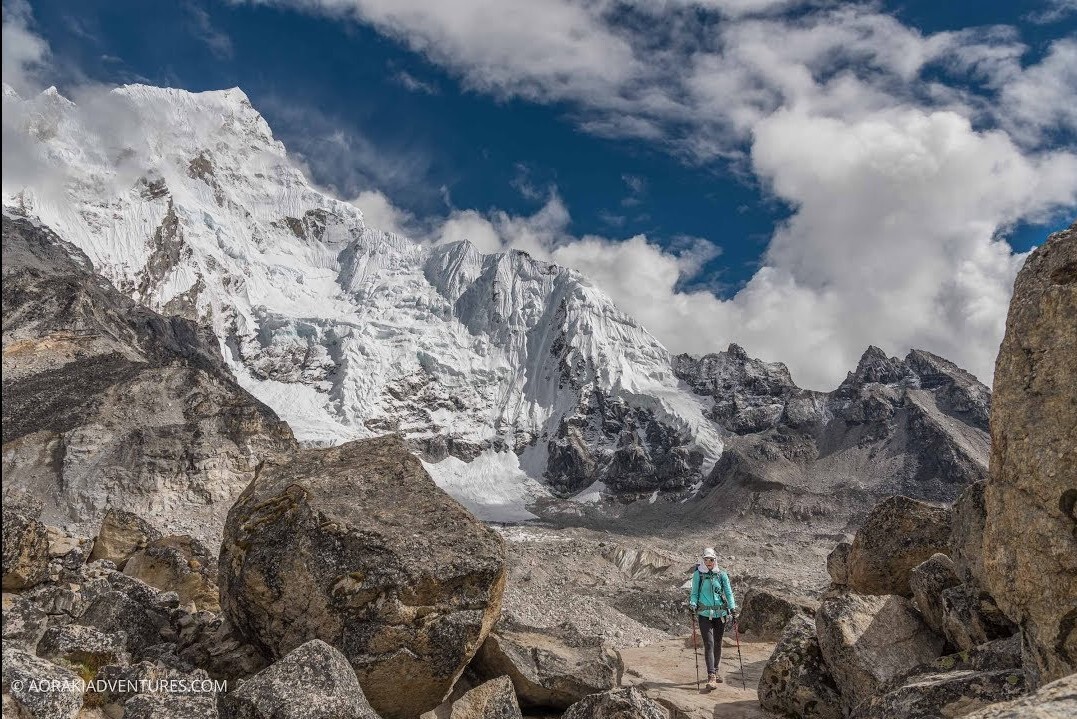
x,y
712,595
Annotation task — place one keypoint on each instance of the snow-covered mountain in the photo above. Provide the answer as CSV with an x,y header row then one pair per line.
x,y
499,369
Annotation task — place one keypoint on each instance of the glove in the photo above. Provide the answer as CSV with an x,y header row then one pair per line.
x,y
692,606
734,613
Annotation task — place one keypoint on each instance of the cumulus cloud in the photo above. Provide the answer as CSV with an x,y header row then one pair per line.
x,y
24,52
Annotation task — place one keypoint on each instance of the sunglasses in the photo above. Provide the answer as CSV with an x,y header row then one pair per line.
x,y
708,559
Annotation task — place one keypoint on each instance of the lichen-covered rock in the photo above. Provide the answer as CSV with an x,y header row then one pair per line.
x,y
867,641
314,681
38,688
951,694
81,646
795,681
628,703
357,546
898,534
170,706
1057,700
552,668
967,533
24,622
121,535
114,612
210,642
989,657
182,564
927,582
970,617
837,564
26,548
1030,535
766,614
494,699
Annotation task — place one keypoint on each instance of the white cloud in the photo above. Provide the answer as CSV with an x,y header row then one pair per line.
x,y
23,53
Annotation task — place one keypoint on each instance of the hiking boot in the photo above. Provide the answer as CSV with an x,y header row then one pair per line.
x,y
712,681
718,679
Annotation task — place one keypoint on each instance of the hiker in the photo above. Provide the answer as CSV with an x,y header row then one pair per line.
x,y
711,602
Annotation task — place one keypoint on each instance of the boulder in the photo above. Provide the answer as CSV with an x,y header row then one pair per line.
x,y
992,656
314,681
837,564
24,622
38,688
867,641
766,614
170,706
83,647
551,668
494,699
356,546
121,535
1030,535
114,612
1057,700
967,533
897,535
927,582
628,703
178,563
970,617
952,694
210,642
26,549
795,681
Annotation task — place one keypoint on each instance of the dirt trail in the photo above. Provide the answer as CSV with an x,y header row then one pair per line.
x,y
665,671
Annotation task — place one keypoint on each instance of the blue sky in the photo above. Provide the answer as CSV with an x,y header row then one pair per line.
x,y
692,127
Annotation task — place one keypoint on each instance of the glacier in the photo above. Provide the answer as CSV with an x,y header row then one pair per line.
x,y
511,377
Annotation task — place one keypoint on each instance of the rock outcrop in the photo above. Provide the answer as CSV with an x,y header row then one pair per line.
x,y
1057,700
356,546
897,535
314,681
552,668
796,681
121,535
951,694
26,549
928,581
110,405
766,614
1030,535
628,703
867,641
494,699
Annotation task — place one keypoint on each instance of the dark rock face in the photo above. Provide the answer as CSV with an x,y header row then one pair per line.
x,y
940,695
795,681
356,546
915,427
548,668
108,404
26,549
897,535
766,614
927,582
628,703
314,681
971,617
1030,534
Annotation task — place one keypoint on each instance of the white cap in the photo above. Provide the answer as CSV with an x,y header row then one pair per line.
x,y
709,553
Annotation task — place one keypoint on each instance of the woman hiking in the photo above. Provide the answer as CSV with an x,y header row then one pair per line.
x,y
711,602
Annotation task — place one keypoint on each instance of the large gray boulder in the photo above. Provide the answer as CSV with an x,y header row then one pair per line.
x,y
951,694
967,533
867,641
314,681
26,548
357,546
24,622
765,614
897,535
795,681
927,582
551,668
37,688
1057,700
628,703
121,535
1030,535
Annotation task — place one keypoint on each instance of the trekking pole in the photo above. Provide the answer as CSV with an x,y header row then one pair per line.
x,y
736,633
695,647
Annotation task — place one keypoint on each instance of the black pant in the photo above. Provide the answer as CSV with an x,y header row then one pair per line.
x,y
712,630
